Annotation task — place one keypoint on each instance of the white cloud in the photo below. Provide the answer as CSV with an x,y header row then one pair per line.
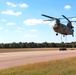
x,y
19,29
73,19
1,28
11,12
6,30
67,7
3,20
10,24
35,22
32,21
11,4
33,30
29,36
52,23
23,5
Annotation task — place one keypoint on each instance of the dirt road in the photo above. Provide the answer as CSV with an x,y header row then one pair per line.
x,y
13,59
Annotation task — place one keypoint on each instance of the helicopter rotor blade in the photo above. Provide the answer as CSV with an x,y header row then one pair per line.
x,y
48,20
66,18
73,21
53,18
48,16
66,21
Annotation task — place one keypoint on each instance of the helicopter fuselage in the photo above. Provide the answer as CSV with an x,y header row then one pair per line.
x,y
63,29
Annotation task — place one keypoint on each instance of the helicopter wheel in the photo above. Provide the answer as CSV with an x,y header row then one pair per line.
x,y
56,34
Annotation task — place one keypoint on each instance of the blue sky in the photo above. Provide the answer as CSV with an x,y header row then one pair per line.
x,y
21,20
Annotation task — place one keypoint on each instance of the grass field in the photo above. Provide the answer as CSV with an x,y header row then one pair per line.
x,y
56,67
29,49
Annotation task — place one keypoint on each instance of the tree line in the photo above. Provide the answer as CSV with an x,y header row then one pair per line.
x,y
37,45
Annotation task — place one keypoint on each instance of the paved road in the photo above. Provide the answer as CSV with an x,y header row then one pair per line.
x,y
12,59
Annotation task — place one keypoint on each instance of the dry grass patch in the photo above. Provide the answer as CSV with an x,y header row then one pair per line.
x,y
55,67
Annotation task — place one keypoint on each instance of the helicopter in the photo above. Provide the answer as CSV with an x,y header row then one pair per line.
x,y
62,28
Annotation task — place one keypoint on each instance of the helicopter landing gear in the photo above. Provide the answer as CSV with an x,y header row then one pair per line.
x,y
63,35
73,35
63,48
56,34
